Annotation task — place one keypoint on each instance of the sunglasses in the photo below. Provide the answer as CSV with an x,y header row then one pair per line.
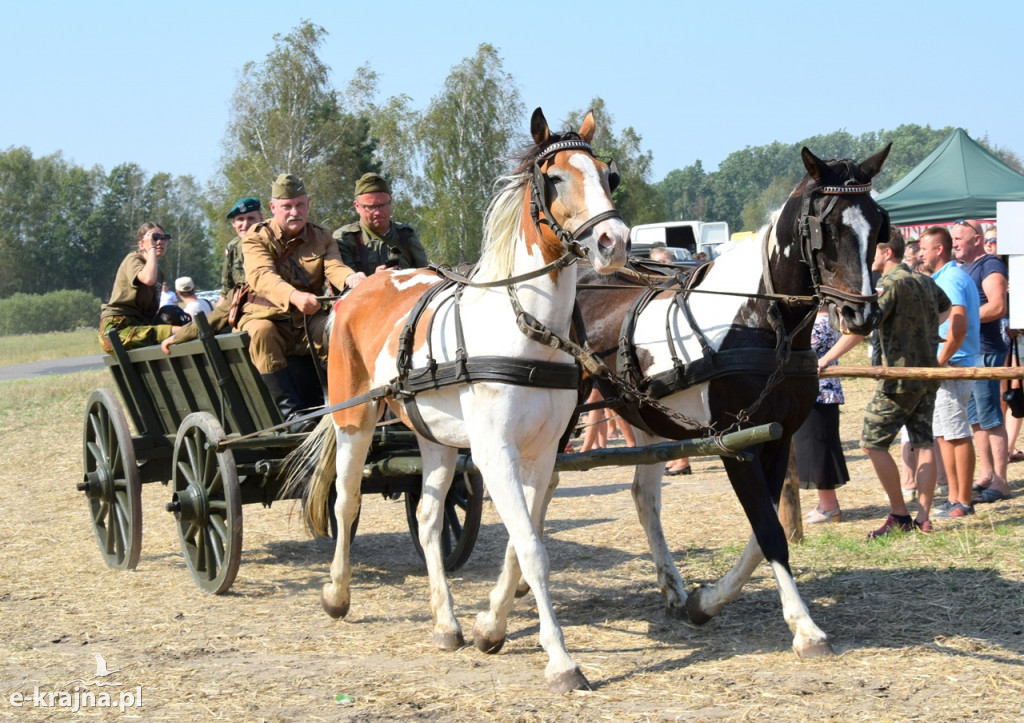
x,y
968,224
161,237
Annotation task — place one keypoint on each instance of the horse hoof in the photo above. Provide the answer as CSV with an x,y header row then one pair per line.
x,y
335,611
693,609
814,650
522,590
449,640
568,681
488,646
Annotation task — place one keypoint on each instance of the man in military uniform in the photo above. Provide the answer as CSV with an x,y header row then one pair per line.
x,y
375,242
245,214
912,305
288,261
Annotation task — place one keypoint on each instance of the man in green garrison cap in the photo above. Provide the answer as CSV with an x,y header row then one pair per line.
x,y
288,261
375,242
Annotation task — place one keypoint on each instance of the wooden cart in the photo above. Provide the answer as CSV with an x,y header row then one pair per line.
x,y
190,410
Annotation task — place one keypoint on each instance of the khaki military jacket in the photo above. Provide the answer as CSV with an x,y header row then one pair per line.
x,y
400,243
910,304
130,298
232,272
314,260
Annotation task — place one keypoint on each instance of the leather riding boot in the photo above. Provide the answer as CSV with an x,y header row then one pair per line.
x,y
286,396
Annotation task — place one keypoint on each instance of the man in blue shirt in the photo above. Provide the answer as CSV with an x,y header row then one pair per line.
x,y
984,409
960,348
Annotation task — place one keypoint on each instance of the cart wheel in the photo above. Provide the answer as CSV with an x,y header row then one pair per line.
x,y
111,481
207,503
462,509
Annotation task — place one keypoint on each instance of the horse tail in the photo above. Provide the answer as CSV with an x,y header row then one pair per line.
x,y
308,473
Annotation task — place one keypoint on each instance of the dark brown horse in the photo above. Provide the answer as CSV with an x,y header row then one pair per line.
x,y
735,352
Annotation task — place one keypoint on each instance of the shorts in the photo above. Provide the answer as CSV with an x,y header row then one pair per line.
x,y
950,419
984,408
888,411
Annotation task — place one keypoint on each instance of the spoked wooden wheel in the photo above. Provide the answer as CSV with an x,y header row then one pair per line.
x,y
462,510
111,481
207,503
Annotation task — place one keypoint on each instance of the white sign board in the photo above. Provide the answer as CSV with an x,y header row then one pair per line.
x,y
1010,220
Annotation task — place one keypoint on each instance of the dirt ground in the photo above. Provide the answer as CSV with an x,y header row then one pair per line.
x,y
924,629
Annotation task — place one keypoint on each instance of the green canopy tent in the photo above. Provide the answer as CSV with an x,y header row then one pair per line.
x,y
959,179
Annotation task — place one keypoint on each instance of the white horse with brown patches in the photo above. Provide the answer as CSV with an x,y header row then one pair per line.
x,y
512,427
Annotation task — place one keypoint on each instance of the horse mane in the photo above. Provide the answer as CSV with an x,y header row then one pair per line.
x,y
501,219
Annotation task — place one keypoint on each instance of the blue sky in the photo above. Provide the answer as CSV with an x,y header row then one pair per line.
x,y
107,82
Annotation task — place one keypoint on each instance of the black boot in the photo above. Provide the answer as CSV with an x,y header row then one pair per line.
x,y
287,398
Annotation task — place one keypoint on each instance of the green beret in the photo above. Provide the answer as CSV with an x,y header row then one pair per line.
x,y
372,183
287,186
244,205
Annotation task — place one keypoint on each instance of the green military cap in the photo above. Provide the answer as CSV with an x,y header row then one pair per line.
x,y
244,205
372,183
287,186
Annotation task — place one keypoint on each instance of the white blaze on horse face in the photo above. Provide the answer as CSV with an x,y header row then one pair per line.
x,y
854,219
595,200
610,233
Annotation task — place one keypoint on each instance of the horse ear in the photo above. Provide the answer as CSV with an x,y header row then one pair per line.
x,y
539,127
873,165
588,127
816,168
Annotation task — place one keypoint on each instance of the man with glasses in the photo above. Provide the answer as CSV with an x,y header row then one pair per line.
x,y
375,242
135,299
984,411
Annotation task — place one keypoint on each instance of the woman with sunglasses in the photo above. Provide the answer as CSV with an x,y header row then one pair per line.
x,y
135,301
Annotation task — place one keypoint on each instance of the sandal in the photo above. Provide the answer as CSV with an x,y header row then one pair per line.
x,y
988,496
1016,456
682,470
818,515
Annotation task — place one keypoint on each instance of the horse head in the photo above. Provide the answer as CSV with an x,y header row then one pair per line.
x,y
572,194
836,223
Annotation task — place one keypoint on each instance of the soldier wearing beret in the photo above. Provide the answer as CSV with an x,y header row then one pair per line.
x,y
245,214
288,261
375,242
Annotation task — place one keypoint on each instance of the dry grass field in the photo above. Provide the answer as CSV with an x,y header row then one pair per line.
x,y
924,628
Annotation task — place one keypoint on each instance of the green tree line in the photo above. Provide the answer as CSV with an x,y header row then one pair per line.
x,y
67,227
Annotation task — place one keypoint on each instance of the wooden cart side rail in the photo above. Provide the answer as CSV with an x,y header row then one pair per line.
x,y
212,374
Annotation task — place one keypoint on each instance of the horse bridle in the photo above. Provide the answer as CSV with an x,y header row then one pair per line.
x,y
812,239
541,213
538,205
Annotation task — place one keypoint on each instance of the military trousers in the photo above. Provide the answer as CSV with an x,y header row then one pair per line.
x,y
273,339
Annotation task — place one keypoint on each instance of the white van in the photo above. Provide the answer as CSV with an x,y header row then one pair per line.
x,y
689,236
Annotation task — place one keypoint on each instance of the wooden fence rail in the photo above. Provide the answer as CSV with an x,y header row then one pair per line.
x,y
924,372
